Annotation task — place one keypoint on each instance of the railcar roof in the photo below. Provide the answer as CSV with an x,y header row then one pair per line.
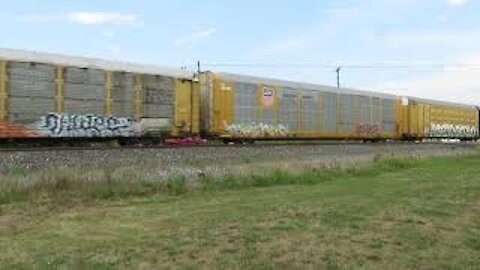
x,y
298,85
86,62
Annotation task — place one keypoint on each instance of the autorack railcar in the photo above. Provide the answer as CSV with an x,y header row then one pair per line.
x,y
236,107
55,96
61,97
423,118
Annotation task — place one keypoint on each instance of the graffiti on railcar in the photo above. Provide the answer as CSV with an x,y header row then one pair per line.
x,y
370,130
86,125
257,130
452,131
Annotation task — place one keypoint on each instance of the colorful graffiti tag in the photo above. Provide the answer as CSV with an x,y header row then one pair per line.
x,y
452,131
257,130
89,125
369,130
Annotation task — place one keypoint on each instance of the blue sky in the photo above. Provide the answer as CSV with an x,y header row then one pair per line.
x,y
276,33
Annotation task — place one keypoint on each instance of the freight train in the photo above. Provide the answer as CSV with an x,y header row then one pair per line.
x,y
55,97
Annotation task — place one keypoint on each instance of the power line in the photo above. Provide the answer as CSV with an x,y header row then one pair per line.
x,y
345,66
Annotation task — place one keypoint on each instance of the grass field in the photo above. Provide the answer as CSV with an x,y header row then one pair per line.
x,y
396,214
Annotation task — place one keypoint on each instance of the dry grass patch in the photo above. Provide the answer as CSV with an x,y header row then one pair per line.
x,y
395,214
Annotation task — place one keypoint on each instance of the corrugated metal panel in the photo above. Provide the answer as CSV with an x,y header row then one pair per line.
x,y
36,90
268,111
329,116
75,75
310,115
206,88
158,97
158,111
245,108
84,107
31,80
123,85
365,110
348,113
25,109
123,109
389,116
84,92
289,109
269,116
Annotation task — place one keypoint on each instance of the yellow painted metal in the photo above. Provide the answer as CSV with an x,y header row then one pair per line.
x,y
187,107
3,90
108,93
137,97
418,117
399,118
195,107
60,90
223,105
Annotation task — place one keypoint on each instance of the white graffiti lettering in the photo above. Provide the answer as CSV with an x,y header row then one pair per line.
x,y
257,130
452,131
89,125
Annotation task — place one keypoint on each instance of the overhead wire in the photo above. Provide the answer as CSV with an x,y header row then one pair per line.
x,y
343,66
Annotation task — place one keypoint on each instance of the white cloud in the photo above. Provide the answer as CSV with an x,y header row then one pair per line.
x,y
457,3
86,18
195,37
91,18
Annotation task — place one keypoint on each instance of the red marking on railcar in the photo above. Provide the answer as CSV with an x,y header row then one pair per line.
x,y
9,130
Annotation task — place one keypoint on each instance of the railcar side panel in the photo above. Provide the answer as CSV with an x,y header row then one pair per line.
x,y
186,108
256,108
432,119
43,99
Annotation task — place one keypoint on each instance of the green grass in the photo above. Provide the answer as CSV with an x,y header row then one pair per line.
x,y
395,214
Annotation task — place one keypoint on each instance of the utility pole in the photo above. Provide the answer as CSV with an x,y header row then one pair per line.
x,y
338,70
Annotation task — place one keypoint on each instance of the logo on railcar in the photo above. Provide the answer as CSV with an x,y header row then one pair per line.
x,y
268,97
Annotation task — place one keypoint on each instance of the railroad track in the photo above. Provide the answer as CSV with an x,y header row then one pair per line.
x,y
265,145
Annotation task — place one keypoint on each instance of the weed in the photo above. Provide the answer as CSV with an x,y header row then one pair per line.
x,y
177,185
106,184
